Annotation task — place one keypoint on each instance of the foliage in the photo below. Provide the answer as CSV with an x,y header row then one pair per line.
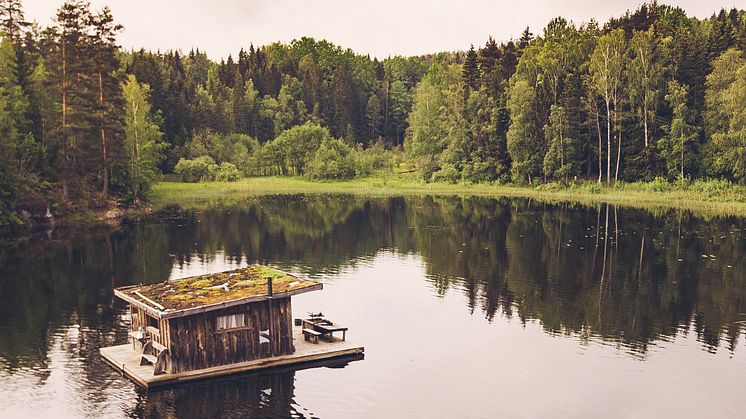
x,y
225,172
524,144
557,163
368,160
435,99
291,150
543,108
142,144
725,115
679,147
334,159
606,70
240,150
195,170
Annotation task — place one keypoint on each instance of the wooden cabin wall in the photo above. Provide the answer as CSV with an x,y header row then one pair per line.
x,y
163,336
195,343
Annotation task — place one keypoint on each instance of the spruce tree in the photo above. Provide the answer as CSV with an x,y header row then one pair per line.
x,y
489,66
721,36
470,73
525,39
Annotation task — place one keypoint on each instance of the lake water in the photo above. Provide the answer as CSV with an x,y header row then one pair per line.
x,y
467,307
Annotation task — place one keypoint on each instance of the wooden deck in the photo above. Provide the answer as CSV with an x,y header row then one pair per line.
x,y
126,360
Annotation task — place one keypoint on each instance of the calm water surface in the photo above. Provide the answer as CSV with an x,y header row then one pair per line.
x,y
467,307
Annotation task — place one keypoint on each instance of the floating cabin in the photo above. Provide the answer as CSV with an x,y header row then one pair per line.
x,y
217,324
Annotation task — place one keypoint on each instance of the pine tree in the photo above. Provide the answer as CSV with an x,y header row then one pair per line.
x,y
12,19
108,121
70,65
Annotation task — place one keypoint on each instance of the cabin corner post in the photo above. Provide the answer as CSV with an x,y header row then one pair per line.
x,y
290,325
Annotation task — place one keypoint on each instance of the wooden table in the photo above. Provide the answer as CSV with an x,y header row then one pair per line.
x,y
327,329
311,323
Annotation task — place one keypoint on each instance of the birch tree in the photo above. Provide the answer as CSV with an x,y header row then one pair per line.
x,y
143,145
606,69
644,76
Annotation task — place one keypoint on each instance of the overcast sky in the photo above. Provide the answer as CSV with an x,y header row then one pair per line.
x,y
376,27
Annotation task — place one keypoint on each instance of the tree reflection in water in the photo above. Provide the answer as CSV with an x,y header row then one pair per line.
x,y
623,275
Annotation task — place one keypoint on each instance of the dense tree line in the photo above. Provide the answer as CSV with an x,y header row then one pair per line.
x,y
84,124
266,90
75,133
84,121
653,93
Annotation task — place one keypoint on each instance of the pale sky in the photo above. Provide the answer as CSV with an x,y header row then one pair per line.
x,y
376,27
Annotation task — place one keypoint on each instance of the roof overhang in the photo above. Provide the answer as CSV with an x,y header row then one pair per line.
x,y
171,313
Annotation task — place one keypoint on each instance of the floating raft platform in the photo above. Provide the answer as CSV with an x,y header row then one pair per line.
x,y
126,360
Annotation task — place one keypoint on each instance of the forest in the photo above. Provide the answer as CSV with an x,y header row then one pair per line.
x,y
87,125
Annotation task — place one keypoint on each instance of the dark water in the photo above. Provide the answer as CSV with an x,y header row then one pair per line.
x,y
467,307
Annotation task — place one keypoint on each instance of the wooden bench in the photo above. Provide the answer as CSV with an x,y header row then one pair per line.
x,y
311,334
158,360
148,359
158,347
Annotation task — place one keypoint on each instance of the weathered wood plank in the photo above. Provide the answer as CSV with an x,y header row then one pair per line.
x,y
123,358
195,343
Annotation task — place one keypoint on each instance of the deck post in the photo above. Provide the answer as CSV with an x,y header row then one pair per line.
x,y
271,317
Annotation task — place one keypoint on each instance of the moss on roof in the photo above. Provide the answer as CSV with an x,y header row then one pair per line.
x,y
202,290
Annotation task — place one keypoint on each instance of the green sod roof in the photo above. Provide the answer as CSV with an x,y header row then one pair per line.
x,y
216,290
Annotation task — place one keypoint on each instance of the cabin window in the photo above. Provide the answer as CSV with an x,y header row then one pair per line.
x,y
153,322
232,321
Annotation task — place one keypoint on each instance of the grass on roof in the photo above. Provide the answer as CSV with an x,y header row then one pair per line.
x,y
219,287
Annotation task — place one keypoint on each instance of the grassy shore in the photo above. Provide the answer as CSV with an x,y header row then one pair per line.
x,y
709,197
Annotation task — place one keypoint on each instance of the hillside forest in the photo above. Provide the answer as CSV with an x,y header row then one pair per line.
x,y
86,124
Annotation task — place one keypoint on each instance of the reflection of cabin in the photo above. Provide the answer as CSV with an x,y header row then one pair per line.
x,y
225,319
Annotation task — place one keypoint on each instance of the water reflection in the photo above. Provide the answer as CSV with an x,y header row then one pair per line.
x,y
613,275
268,394
621,274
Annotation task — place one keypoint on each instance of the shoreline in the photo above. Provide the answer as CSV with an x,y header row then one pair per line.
x,y
733,202
92,219
190,196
